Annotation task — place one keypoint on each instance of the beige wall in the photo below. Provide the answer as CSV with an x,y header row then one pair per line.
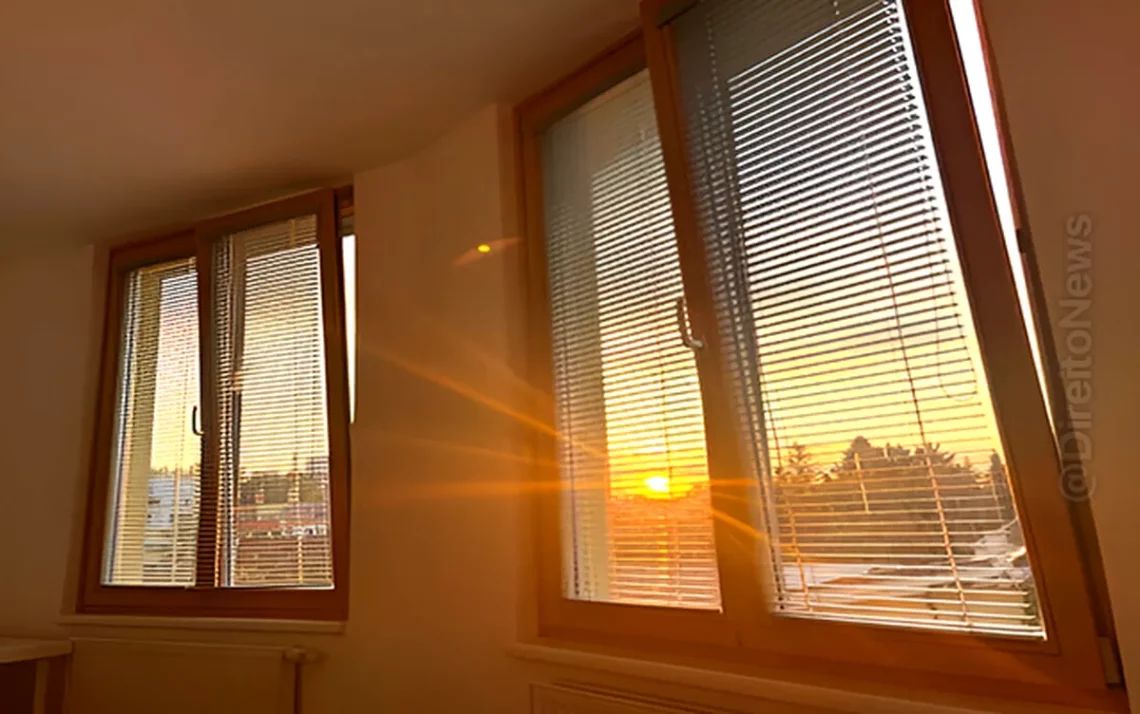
x,y
1068,71
436,531
434,525
45,301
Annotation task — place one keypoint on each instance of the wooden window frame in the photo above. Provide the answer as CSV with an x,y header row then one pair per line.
x,y
1088,540
1069,667
205,599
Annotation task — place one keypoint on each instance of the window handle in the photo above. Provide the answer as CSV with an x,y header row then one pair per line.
x,y
683,327
195,426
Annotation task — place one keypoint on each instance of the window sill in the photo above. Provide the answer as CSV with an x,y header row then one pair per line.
x,y
836,700
225,624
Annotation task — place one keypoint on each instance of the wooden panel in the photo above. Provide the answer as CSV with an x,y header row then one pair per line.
x,y
17,686
33,686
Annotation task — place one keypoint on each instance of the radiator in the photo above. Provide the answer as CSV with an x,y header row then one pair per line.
x,y
139,677
574,699
578,698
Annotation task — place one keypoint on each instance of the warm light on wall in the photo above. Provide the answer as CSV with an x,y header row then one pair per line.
x,y
481,251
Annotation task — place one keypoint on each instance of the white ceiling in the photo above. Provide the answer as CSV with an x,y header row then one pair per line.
x,y
118,116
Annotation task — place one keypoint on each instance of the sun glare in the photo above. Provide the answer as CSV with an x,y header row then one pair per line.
x,y
657,485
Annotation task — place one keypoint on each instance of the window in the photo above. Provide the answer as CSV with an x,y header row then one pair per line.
x,y
794,401
221,467
637,525
157,459
840,295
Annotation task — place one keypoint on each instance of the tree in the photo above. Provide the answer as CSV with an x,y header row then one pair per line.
x,y
1003,492
312,488
920,496
799,469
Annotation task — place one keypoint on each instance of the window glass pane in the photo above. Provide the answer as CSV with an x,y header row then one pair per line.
x,y
859,384
274,465
637,526
156,457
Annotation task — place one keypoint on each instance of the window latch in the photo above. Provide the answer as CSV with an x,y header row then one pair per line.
x,y
683,327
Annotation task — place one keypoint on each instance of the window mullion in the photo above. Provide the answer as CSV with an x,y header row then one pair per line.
x,y
740,544
206,572
336,384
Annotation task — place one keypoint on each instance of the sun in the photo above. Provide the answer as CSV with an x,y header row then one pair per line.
x,y
658,485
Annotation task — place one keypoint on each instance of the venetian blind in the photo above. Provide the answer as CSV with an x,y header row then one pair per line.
x,y
269,358
859,385
156,457
636,520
